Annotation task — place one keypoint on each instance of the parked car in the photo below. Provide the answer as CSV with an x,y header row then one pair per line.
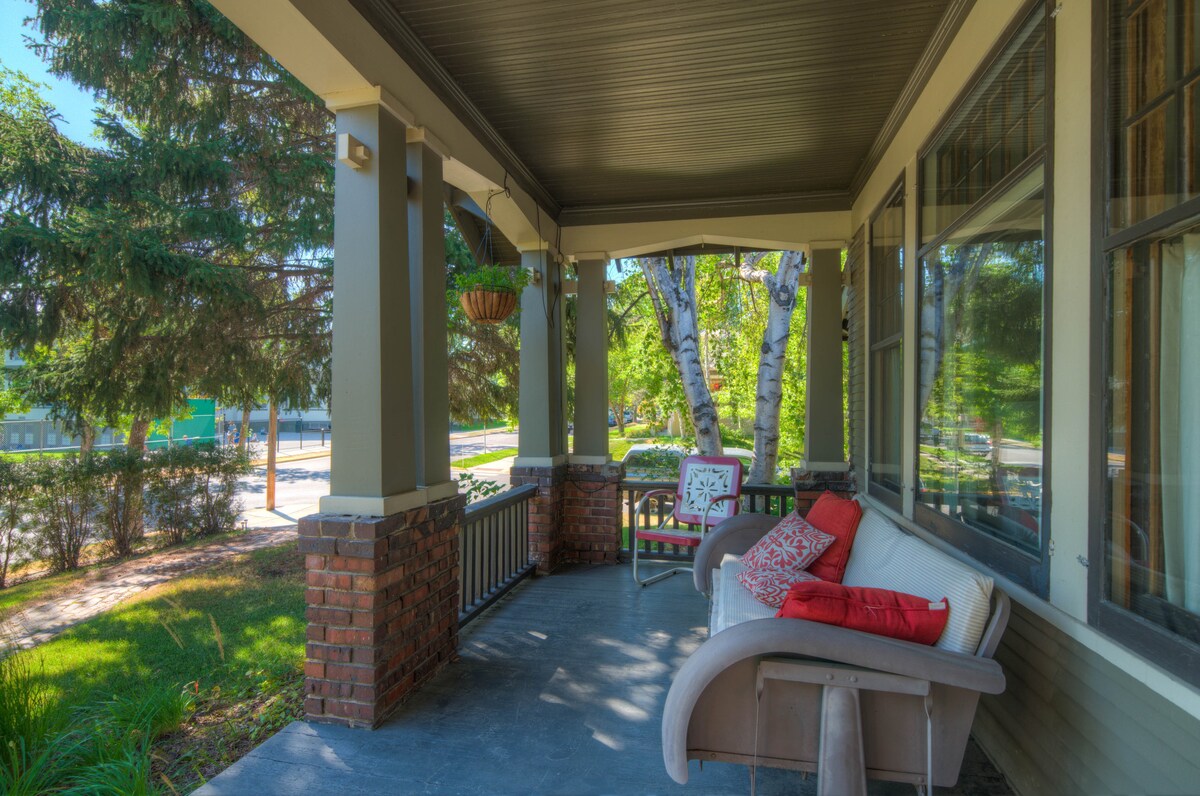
x,y
974,442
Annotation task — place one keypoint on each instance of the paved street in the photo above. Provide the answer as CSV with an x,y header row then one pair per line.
x,y
300,484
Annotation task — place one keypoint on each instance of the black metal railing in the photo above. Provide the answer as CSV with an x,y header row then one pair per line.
x,y
494,549
775,499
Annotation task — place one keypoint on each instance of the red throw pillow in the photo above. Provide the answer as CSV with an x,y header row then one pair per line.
x,y
885,613
839,518
793,544
770,586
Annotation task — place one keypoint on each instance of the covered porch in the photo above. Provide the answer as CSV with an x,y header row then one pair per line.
x,y
884,140
558,689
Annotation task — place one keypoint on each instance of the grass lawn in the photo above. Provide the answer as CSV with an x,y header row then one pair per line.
x,y
227,644
484,458
13,597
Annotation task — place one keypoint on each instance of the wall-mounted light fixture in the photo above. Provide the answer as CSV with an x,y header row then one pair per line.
x,y
351,151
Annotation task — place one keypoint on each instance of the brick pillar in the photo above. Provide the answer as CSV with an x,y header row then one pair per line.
x,y
591,530
811,484
545,513
383,601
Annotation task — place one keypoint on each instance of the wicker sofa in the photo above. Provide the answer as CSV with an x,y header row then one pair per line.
x,y
787,693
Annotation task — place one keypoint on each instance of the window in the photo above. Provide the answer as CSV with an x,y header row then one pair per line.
x,y
1147,590
886,336
1153,451
998,128
979,456
981,469
1154,94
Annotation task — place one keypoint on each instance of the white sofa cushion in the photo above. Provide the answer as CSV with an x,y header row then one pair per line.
x,y
732,602
885,557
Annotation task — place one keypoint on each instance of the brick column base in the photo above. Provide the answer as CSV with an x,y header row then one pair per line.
x,y
383,600
545,513
811,484
591,530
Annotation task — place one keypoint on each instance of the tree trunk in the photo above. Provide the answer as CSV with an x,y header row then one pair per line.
x,y
672,287
136,441
272,444
245,429
782,287
87,440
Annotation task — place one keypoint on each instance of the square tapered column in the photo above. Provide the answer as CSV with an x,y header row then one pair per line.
x,y
591,365
373,461
541,448
427,280
823,422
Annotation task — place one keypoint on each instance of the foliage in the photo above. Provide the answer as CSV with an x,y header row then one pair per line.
x,y
477,489
192,253
493,277
15,487
482,359
64,504
118,479
192,489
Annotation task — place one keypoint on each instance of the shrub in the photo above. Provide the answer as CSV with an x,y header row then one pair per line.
x,y
171,489
15,487
118,478
217,473
64,505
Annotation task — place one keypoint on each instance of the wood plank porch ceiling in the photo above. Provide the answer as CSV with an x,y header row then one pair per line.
x,y
617,110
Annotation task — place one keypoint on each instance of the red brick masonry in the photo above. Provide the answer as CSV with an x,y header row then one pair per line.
x,y
591,531
382,608
811,484
545,513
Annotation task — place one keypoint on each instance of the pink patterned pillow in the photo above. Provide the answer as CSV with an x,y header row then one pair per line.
x,y
793,544
770,586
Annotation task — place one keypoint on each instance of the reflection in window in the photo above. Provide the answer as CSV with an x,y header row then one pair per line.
x,y
887,342
980,362
1153,457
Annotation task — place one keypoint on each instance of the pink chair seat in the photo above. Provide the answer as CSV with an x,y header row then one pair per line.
x,y
668,536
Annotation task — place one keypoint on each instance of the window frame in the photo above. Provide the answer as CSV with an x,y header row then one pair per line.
x,y
1028,570
893,499
1145,638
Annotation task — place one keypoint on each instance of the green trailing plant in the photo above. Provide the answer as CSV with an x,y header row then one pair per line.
x,y
492,277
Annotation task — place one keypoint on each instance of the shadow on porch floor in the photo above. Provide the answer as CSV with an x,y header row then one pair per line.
x,y
559,689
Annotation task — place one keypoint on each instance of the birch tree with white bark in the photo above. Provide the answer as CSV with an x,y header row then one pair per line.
x,y
781,288
671,282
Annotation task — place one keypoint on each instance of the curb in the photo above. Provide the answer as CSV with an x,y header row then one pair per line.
x,y
294,457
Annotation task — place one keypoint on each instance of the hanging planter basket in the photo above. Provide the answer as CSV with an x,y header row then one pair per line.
x,y
488,304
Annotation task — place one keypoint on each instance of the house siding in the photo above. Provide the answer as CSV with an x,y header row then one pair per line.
x,y
1072,722
856,359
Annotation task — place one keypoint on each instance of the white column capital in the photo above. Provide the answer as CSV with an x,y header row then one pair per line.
x,y
421,135
372,95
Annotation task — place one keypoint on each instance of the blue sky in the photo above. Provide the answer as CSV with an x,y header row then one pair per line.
x,y
74,105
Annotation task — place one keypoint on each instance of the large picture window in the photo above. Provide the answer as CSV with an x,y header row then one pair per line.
x,y
1147,591
980,369
983,281
887,347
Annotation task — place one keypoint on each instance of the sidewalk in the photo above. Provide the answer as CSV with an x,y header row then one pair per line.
x,y
110,586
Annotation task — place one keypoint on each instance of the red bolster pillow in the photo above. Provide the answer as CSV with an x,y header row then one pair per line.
x,y
838,517
885,613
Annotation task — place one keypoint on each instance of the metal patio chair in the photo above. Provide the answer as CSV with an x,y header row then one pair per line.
x,y
707,493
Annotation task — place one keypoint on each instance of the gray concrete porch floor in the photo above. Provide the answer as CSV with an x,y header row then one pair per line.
x,y
559,689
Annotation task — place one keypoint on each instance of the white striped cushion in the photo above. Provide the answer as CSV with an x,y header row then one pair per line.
x,y
732,602
885,557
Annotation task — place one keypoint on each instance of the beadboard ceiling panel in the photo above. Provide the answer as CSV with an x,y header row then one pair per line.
x,y
605,104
